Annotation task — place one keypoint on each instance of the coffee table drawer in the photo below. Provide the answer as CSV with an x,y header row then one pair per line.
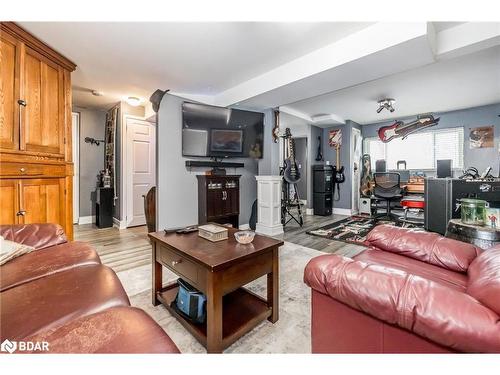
x,y
178,264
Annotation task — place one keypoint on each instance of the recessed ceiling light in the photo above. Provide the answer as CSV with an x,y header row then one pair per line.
x,y
133,101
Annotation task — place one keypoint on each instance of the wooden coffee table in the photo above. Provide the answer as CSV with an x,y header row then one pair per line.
x,y
219,270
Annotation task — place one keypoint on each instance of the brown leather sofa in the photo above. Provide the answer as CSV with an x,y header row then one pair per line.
x,y
62,294
408,292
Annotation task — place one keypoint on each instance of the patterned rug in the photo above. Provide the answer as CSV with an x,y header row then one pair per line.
x,y
354,229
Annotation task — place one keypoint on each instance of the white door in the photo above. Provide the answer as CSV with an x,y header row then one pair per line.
x,y
356,144
141,167
75,121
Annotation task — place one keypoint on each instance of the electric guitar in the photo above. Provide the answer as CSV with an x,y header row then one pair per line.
x,y
291,172
319,155
338,171
400,129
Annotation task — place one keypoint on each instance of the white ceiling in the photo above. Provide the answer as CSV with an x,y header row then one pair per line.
x,y
335,70
135,59
467,81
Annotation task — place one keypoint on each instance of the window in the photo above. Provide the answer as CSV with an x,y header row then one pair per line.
x,y
419,150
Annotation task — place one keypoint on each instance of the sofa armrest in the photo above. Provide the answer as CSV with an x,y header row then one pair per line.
x,y
431,310
427,247
37,235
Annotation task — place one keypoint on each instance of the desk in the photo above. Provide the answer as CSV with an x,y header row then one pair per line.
x,y
415,186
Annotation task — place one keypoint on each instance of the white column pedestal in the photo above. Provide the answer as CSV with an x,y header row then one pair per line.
x,y
269,205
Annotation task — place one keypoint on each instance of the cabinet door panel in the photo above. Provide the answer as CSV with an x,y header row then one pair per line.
x,y
43,200
9,93
9,201
43,125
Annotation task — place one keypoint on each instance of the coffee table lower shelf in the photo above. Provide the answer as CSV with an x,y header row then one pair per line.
x,y
242,311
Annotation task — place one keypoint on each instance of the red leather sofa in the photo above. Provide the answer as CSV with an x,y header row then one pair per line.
x,y
408,292
62,294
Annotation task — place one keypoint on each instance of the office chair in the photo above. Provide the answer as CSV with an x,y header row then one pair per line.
x,y
388,188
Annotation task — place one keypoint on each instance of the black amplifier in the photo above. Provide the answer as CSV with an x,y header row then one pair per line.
x,y
442,195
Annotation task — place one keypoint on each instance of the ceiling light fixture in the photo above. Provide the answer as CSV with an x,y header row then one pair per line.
x,y
387,104
133,101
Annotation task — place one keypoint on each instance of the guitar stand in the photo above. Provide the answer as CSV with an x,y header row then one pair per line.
x,y
287,205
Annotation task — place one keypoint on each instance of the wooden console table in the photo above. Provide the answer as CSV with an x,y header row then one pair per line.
x,y
219,270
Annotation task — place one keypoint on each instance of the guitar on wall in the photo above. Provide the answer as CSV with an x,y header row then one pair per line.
x,y
291,172
338,173
400,129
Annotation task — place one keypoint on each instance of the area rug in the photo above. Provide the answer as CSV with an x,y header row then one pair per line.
x,y
290,334
354,229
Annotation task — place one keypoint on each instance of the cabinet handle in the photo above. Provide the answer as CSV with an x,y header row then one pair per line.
x,y
22,103
21,213
176,262
224,195
22,170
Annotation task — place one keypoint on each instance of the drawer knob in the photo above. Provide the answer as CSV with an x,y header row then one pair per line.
x,y
176,262
22,170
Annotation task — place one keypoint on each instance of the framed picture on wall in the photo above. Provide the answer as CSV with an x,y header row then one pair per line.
x,y
481,137
335,138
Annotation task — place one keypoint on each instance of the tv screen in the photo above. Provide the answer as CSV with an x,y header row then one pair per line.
x,y
219,132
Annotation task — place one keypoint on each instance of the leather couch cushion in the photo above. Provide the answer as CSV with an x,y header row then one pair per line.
x,y
54,300
431,310
428,247
37,235
452,279
115,330
484,278
45,262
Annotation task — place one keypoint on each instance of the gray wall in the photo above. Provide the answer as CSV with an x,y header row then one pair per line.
x,y
302,155
269,164
177,199
329,153
480,158
301,128
92,123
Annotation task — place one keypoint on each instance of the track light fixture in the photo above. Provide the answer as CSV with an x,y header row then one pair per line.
x,y
387,104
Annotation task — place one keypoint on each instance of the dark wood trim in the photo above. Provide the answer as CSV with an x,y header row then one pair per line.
x,y
31,41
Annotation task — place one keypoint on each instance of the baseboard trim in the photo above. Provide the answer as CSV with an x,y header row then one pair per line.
x,y
120,224
86,220
342,211
244,227
269,231
309,211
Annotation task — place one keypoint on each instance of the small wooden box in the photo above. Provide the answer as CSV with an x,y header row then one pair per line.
x,y
212,232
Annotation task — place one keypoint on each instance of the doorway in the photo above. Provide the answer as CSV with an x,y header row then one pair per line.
x,y
302,162
75,124
356,145
140,167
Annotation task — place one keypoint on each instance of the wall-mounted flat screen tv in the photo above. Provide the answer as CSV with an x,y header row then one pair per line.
x,y
209,131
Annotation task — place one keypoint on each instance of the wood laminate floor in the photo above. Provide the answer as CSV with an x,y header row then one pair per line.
x,y
119,249
130,248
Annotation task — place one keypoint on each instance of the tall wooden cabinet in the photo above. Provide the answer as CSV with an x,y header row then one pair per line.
x,y
36,168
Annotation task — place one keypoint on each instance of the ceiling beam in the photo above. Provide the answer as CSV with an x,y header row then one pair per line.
x,y
373,40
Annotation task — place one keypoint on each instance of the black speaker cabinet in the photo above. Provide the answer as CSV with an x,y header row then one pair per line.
x,y
322,178
380,166
443,168
104,207
322,204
